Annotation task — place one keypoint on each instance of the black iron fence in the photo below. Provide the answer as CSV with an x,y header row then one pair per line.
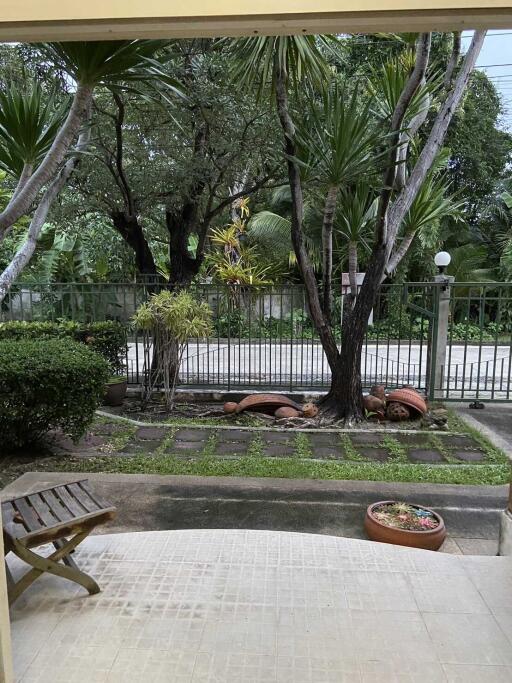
x,y
264,337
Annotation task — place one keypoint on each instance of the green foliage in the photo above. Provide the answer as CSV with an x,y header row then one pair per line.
x,y
171,319
105,338
48,384
179,315
28,126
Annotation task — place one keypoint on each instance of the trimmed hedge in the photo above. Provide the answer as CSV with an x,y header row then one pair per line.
x,y
48,384
107,338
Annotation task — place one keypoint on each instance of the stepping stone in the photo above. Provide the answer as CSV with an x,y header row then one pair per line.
x,y
328,439
470,456
231,448
326,453
189,445
87,442
459,441
108,429
138,448
193,434
376,454
151,433
425,455
277,437
410,439
366,438
235,435
278,451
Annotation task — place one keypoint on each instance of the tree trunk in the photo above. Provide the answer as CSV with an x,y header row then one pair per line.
x,y
132,233
26,251
322,325
352,269
329,209
21,202
346,394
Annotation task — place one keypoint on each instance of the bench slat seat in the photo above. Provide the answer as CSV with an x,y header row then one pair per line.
x,y
63,515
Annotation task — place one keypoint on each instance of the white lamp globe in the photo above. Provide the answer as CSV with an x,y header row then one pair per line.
x,y
442,259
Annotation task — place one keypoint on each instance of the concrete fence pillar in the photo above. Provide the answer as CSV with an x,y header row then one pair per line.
x,y
439,339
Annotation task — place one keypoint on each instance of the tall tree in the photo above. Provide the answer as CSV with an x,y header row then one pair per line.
x,y
285,59
35,140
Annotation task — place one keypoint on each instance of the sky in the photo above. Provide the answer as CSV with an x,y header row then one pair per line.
x,y
496,60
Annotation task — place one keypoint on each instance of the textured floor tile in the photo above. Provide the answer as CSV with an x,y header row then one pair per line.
x,y
396,637
446,594
76,664
302,669
239,667
457,673
404,672
468,639
152,666
233,606
382,591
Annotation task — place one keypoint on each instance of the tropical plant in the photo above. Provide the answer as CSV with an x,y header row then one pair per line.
x,y
170,320
36,137
274,60
236,263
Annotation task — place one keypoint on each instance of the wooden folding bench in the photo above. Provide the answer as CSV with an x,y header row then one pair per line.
x,y
63,515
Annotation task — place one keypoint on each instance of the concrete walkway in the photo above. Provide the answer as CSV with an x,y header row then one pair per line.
x,y
494,421
337,508
260,606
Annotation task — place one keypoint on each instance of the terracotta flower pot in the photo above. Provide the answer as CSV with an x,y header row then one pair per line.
x,y
430,539
409,397
115,391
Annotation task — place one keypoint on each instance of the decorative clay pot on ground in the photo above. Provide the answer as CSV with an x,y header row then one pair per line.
x,y
409,397
429,532
115,391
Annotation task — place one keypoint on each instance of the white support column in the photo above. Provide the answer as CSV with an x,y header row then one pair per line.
x,y
441,339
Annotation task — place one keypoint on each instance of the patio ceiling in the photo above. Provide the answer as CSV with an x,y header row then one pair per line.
x,y
121,19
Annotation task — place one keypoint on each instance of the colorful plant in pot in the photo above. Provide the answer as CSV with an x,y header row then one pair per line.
x,y
406,524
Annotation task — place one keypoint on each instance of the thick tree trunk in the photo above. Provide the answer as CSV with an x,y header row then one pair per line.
x,y
346,394
322,325
21,202
352,268
328,220
183,267
132,233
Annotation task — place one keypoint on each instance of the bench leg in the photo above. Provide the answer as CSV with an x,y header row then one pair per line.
x,y
52,566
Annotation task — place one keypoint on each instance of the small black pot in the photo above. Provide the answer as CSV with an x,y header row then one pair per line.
x,y
115,392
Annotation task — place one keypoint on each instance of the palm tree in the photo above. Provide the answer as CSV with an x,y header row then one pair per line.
x,y
280,62
342,139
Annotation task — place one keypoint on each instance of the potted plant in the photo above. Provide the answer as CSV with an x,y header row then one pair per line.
x,y
115,390
416,526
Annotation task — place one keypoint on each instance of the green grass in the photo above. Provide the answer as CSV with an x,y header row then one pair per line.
x,y
291,468
397,452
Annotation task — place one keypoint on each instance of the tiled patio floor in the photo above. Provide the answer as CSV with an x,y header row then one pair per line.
x,y
259,606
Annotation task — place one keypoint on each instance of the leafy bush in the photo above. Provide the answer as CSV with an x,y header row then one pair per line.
x,y
106,338
48,384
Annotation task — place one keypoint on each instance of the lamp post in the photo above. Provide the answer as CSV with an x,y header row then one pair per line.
x,y
439,338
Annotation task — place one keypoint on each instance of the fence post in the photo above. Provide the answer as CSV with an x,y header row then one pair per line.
x,y
439,339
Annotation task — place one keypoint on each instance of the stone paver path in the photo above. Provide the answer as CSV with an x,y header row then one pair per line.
x,y
235,606
193,442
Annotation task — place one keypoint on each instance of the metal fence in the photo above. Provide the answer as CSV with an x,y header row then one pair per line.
x,y
264,337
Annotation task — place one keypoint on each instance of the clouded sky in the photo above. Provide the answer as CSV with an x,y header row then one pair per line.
x,y
497,50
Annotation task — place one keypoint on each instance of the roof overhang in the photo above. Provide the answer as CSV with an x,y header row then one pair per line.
x,y
31,20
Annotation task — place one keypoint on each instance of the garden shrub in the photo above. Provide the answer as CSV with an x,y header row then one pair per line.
x,y
107,338
48,384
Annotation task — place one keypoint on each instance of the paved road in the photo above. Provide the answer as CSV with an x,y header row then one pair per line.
x,y
473,369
